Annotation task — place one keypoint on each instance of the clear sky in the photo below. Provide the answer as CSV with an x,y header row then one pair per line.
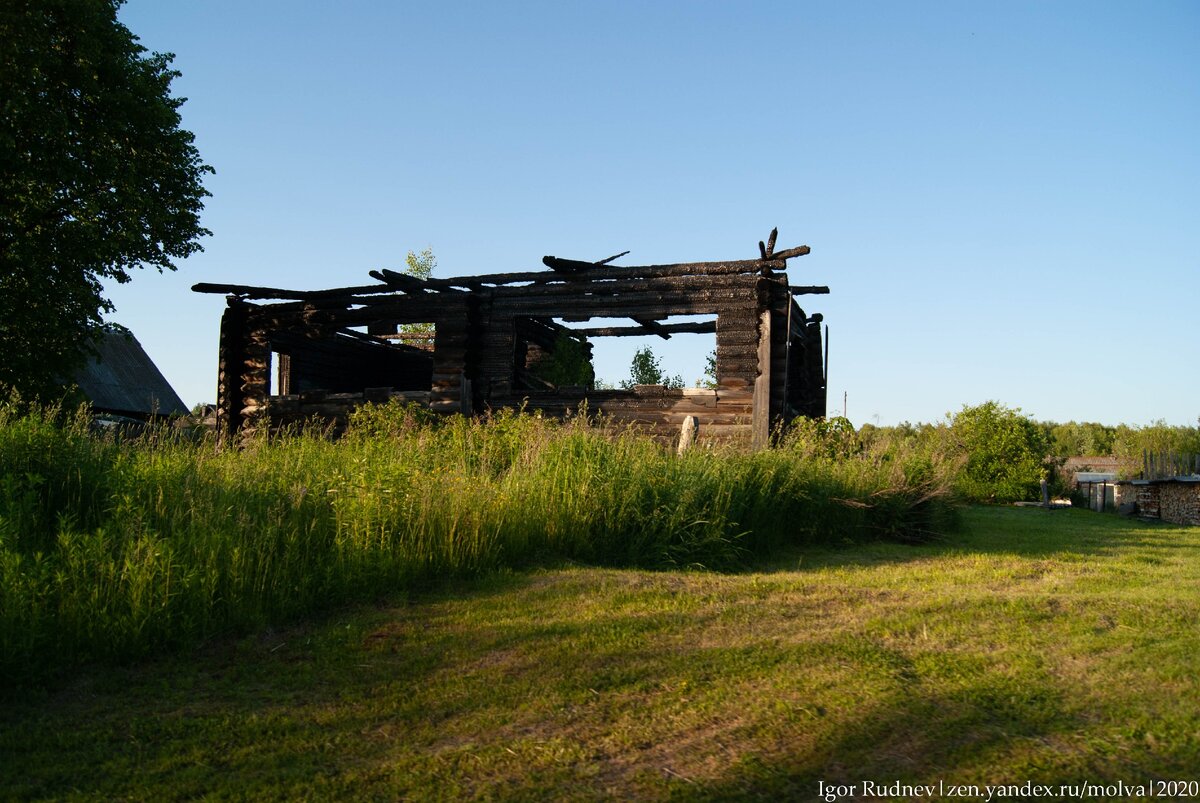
x,y
1003,197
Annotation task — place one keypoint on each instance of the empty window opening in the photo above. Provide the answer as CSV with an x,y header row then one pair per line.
x,y
549,356
681,359
351,360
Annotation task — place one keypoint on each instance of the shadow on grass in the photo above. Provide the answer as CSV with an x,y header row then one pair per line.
x,y
916,738
1012,531
524,685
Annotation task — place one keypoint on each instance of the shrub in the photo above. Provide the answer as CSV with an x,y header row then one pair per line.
x,y
1005,453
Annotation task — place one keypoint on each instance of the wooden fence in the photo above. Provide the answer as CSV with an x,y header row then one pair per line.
x,y
1163,465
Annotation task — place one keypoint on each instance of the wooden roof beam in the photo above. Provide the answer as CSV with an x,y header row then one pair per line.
x,y
251,291
702,327
653,327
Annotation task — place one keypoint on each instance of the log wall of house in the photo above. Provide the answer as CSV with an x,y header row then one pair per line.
x,y
489,331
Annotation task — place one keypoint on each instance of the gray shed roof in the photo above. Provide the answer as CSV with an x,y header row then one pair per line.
x,y
125,380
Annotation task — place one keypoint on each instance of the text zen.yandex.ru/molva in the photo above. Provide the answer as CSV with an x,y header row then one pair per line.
x,y
865,790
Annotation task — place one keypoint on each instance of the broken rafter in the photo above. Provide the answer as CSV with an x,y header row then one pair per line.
x,y
606,260
798,251
766,251
250,291
573,266
400,281
701,328
605,273
653,327
809,289
567,266
572,271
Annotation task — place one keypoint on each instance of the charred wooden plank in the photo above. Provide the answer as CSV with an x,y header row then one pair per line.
x,y
625,287
567,266
799,251
606,260
762,386
251,291
652,326
702,327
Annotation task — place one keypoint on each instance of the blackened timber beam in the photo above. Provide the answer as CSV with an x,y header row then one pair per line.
x,y
760,416
701,328
809,289
633,271
778,263
652,326
250,291
606,260
670,284
798,251
409,284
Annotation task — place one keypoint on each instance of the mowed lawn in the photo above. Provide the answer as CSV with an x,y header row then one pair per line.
x,y
1032,646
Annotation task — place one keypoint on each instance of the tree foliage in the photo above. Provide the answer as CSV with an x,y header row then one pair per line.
x,y
97,179
1086,439
646,369
1006,453
419,266
709,378
567,364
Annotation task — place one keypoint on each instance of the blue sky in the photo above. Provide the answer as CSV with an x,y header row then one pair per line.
x,y
1004,198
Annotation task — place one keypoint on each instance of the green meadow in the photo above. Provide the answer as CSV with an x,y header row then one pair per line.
x,y
1038,646
519,609
113,549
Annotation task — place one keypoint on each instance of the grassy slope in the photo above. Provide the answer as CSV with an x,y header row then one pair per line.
x,y
1038,646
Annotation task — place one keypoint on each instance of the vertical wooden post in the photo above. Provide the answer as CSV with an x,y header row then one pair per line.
x,y
687,434
785,398
760,417
231,355
243,370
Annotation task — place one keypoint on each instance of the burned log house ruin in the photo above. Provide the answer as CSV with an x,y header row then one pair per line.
x,y
467,344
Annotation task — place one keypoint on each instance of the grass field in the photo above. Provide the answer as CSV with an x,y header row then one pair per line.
x,y
116,549
1034,646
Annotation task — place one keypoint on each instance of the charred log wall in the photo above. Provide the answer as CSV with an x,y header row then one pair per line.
x,y
489,330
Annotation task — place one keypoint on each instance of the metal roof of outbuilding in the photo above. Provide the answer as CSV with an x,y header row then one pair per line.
x,y
123,379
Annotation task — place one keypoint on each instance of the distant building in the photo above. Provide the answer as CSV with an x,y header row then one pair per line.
x,y
1095,478
122,380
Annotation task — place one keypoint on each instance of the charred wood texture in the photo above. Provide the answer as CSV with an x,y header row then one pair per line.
x,y
702,328
489,332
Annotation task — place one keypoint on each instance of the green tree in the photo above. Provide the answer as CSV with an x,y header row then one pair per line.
x,y
419,266
1159,438
646,369
566,364
709,378
96,179
1085,439
1005,453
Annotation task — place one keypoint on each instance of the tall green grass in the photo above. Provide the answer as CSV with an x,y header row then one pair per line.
x,y
110,549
